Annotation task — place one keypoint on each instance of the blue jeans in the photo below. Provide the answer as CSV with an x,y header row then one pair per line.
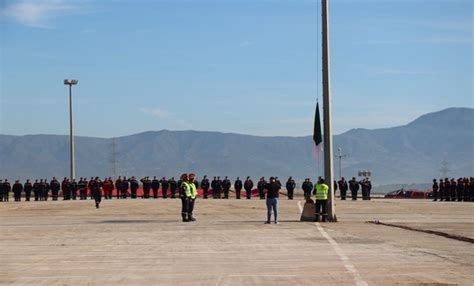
x,y
272,203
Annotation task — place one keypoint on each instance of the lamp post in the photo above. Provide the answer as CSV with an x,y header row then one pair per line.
x,y
70,83
340,156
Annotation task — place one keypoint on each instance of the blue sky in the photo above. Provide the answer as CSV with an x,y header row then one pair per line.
x,y
249,67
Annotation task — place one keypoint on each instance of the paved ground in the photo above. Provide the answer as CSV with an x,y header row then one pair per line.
x,y
142,242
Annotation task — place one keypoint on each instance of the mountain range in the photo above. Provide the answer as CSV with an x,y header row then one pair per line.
x,y
406,154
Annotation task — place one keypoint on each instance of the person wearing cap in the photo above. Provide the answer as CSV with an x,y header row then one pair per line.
x,y
273,190
27,188
435,189
164,187
17,189
182,195
248,185
238,188
261,187
321,199
205,187
226,187
191,195
133,187
290,187
6,190
96,190
354,187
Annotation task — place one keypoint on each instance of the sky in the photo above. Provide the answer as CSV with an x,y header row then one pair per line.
x,y
240,66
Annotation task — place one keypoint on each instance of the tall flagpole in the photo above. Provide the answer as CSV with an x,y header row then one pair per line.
x,y
328,152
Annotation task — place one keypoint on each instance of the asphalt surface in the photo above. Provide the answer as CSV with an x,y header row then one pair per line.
x,y
143,242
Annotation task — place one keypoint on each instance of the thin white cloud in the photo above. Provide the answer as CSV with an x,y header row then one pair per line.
x,y
245,44
37,13
404,72
157,112
169,117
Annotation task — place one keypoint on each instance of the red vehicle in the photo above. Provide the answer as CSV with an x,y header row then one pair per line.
x,y
407,194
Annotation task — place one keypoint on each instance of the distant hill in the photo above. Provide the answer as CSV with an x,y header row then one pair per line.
x,y
405,154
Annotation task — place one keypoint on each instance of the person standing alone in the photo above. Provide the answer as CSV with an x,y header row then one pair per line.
x,y
272,190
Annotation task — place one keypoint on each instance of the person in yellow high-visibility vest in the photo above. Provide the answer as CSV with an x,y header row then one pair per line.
x,y
182,185
191,195
321,199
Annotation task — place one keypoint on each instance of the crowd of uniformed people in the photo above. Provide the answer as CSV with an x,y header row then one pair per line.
x,y
123,187
453,190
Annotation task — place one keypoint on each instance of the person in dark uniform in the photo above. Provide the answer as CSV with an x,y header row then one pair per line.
x,y
343,187
435,189
173,187
238,188
82,186
146,187
155,186
453,189
182,196
6,190
441,190
363,187
118,187
41,189
460,189
447,190
17,189
47,189
35,190
205,186
354,187
73,187
133,187
261,188
369,188
213,186
290,187
307,187
466,196
278,181
471,189
124,188
164,187
248,186
55,187
65,189
1,190
27,188
219,187
96,189
226,187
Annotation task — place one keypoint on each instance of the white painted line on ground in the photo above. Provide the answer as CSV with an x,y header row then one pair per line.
x,y
345,260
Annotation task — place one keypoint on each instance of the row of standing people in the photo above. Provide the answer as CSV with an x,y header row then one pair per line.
x,y
124,188
343,186
459,190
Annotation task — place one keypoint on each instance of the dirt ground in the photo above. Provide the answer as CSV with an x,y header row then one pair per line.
x,y
143,242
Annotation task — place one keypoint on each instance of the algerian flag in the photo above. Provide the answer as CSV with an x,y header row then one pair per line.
x,y
317,134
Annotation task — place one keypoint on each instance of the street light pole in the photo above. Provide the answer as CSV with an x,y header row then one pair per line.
x,y
340,156
328,152
70,83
